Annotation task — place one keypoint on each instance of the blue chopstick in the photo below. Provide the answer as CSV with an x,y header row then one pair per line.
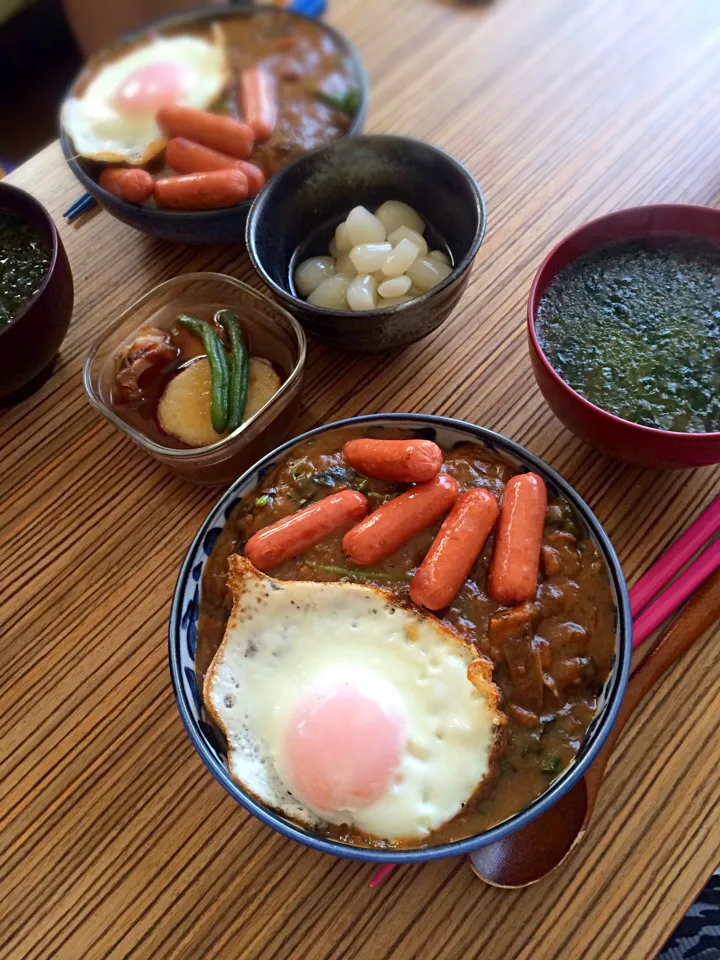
x,y
80,206
310,8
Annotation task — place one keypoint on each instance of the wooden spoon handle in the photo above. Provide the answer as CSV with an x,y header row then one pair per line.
x,y
698,614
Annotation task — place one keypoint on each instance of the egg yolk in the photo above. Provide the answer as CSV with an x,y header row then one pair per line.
x,y
342,748
150,87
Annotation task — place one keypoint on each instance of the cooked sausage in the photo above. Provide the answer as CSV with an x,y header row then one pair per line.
x,y
201,191
186,156
293,535
133,185
393,524
258,101
516,556
210,129
455,549
255,177
401,461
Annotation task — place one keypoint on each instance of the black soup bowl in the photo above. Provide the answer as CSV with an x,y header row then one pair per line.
x,y
183,633
30,341
311,196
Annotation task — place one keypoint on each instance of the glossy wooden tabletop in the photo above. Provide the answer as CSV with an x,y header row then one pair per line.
x,y
115,839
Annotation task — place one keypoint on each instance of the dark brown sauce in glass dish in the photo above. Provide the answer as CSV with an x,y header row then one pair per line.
x,y
568,632
140,408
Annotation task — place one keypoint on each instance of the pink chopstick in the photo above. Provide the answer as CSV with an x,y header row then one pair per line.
x,y
676,594
380,874
684,548
653,614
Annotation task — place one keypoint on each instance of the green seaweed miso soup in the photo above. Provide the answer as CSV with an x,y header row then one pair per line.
x,y
634,327
24,260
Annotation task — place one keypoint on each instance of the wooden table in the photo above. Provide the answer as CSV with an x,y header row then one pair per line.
x,y
116,841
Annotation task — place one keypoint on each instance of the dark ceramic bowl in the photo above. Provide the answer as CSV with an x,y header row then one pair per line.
x,y
30,342
186,606
318,191
620,438
203,227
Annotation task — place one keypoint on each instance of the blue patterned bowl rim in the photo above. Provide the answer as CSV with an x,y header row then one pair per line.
x,y
183,623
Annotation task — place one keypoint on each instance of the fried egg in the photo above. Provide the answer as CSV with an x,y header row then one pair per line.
x,y
340,706
113,119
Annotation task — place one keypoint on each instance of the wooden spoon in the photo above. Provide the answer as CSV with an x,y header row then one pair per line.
x,y
534,851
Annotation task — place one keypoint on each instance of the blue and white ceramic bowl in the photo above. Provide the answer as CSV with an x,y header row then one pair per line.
x,y
186,604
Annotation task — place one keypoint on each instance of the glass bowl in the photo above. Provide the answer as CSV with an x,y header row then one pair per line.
x,y
271,333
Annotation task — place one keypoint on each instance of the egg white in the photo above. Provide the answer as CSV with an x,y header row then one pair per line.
x,y
284,637
100,132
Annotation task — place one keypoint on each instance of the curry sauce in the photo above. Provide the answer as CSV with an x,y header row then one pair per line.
x,y
551,657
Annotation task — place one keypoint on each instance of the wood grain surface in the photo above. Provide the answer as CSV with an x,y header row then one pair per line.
x,y
115,840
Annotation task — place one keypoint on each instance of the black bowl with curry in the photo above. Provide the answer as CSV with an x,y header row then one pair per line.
x,y
321,92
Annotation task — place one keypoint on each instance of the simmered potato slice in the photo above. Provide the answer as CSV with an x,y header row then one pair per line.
x,y
184,408
263,383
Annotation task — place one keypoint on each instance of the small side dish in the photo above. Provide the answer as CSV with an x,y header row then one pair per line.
x,y
375,260
191,384
412,185
198,118
374,580
634,327
155,359
24,262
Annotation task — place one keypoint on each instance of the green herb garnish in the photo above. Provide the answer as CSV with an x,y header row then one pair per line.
x,y
222,106
24,259
263,501
347,103
552,764
358,574
633,327
381,497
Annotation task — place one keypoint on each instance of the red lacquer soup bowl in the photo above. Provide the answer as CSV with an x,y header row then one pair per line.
x,y
620,438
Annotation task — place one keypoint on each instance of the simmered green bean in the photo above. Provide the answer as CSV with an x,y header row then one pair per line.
x,y
239,367
219,371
